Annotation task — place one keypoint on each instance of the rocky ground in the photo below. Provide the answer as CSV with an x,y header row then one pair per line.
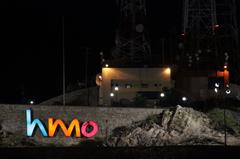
x,y
8,139
180,126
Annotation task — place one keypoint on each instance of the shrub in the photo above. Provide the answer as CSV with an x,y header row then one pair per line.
x,y
140,101
217,117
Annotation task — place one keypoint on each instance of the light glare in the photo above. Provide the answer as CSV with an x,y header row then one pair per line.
x,y
111,94
168,71
184,99
116,88
162,95
228,91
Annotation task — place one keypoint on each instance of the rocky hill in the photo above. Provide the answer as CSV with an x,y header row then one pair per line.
x,y
180,126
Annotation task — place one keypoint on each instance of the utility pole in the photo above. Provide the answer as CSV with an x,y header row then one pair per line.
x,y
63,67
86,74
163,51
225,126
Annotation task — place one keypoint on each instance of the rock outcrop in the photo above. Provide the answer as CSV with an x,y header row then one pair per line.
x,y
181,126
8,139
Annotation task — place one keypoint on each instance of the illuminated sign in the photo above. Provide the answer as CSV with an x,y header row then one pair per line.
x,y
88,128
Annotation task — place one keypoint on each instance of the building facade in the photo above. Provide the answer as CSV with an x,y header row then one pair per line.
x,y
126,83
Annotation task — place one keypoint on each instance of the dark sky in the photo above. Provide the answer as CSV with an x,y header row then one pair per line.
x,y
31,50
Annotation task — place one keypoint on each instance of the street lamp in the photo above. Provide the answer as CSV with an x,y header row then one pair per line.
x,y
227,91
31,102
116,88
184,99
111,94
162,95
217,85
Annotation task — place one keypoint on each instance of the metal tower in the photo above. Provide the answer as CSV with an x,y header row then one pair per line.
x,y
210,34
228,36
199,27
131,43
199,17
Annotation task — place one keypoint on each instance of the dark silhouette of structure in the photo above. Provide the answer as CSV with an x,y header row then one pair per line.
x,y
132,46
210,36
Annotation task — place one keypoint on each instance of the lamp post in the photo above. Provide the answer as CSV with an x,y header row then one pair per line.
x,y
63,61
227,91
111,96
116,89
161,100
225,126
162,95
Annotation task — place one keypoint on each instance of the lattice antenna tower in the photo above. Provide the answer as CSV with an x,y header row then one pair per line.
x,y
131,41
199,28
210,33
228,36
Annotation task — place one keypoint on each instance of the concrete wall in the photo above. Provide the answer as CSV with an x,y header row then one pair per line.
x,y
12,119
134,76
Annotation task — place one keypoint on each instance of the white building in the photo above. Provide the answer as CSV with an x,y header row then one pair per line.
x,y
126,83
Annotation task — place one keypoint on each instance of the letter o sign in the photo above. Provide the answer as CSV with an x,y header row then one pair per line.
x,y
93,131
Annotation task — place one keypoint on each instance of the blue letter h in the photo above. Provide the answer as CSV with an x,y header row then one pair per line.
x,y
31,125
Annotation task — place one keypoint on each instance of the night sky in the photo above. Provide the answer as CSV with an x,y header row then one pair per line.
x,y
31,42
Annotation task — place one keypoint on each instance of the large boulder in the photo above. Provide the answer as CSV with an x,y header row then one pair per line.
x,y
180,126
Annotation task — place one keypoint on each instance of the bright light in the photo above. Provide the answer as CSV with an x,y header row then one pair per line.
x,y
111,94
168,71
216,90
216,26
228,91
217,85
184,99
31,102
106,65
225,67
162,95
100,77
116,88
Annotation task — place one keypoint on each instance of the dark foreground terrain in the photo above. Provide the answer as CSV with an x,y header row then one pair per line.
x,y
168,152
